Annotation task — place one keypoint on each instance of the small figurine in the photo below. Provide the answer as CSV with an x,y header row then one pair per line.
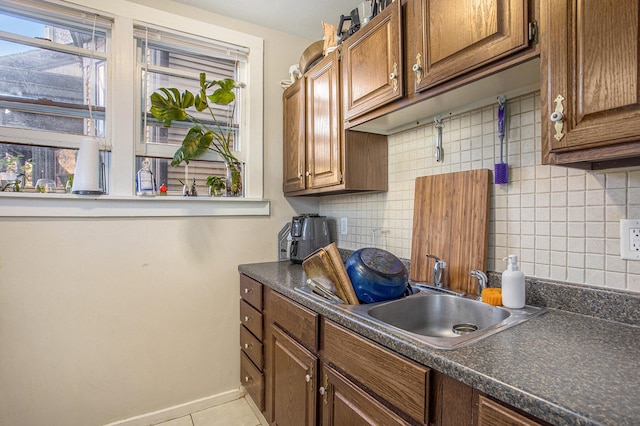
x,y
194,191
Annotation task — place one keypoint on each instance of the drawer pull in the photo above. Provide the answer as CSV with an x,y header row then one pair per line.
x,y
247,319
248,290
248,379
247,345
557,117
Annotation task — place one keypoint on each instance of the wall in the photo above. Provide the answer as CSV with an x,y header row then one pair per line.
x,y
562,223
105,319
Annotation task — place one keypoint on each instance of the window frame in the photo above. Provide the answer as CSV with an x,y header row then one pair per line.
x,y
123,126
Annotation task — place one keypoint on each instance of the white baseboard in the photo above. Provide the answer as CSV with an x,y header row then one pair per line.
x,y
181,410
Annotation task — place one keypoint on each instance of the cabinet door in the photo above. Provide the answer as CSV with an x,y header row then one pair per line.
x,y
324,154
372,64
293,382
457,36
591,78
294,100
344,403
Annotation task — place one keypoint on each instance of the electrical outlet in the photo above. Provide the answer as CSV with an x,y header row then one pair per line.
x,y
343,226
630,239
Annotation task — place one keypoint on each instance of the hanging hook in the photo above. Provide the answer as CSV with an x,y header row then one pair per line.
x,y
438,124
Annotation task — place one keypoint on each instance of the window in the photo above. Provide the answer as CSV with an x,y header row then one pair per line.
x,y
170,60
53,66
59,86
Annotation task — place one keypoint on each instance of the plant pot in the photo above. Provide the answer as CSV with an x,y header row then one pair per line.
x,y
235,179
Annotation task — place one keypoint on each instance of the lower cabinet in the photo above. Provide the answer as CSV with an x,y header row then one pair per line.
x,y
293,383
345,403
317,372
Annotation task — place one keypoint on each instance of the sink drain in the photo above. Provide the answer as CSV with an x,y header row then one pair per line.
x,y
464,328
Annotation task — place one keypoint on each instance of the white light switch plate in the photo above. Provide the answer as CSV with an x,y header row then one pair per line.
x,y
630,239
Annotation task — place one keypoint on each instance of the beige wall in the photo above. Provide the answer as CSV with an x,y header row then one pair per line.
x,y
105,319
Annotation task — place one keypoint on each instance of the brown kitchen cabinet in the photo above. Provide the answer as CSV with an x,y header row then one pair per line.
x,y
319,156
317,372
372,72
251,334
291,364
590,83
344,403
450,38
293,104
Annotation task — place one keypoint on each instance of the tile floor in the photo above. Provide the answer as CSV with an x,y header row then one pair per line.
x,y
234,413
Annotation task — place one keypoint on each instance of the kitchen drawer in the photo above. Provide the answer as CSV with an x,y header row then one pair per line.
x,y
399,381
251,291
251,318
492,413
300,322
252,380
251,346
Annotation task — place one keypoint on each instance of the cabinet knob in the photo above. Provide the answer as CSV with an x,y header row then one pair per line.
x,y
248,290
417,68
307,174
247,319
247,379
247,346
393,76
322,390
556,116
307,378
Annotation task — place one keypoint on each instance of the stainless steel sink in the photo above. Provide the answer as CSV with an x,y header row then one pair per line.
x,y
441,320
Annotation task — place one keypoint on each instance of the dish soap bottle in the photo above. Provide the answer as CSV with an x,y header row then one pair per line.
x,y
513,292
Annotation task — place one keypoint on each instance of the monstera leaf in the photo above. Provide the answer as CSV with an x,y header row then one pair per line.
x,y
172,107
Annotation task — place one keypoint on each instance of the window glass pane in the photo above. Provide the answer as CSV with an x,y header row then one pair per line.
x,y
27,164
164,60
175,177
45,89
47,29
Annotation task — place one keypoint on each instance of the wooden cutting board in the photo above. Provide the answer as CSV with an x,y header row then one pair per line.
x,y
451,222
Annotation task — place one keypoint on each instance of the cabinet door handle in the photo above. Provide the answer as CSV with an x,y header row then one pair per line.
x,y
417,68
307,378
248,290
247,346
393,76
322,390
247,319
557,117
248,379
307,174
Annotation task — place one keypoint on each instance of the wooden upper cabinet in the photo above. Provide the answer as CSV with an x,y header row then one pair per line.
x,y
590,83
324,142
456,36
372,63
294,100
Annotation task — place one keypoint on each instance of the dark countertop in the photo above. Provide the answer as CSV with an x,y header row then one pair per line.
x,y
562,367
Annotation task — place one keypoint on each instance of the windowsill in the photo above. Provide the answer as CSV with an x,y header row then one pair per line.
x,y
23,204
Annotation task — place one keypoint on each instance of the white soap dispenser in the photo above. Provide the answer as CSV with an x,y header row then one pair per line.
x,y
513,292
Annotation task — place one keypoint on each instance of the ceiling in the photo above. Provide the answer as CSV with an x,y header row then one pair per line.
x,y
301,18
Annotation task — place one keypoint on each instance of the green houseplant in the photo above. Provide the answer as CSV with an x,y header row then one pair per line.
x,y
168,105
216,184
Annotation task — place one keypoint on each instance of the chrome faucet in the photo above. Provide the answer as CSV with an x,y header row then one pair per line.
x,y
482,281
438,268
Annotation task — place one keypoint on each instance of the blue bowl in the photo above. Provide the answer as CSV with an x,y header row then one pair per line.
x,y
376,275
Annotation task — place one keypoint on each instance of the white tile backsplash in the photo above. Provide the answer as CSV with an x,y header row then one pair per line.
x,y
563,223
